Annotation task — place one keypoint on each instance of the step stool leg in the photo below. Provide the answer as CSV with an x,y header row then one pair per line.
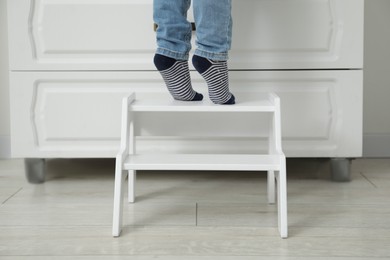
x,y
282,200
120,176
132,175
271,187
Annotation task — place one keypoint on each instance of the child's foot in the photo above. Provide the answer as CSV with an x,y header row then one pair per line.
x,y
216,75
176,75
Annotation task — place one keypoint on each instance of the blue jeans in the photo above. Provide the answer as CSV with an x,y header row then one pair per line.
x,y
213,23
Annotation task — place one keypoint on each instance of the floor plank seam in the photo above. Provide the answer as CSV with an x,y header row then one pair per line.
x,y
10,197
367,179
196,214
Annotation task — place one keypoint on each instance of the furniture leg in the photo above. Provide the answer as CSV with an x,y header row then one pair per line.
x,y
132,176
271,187
120,176
35,170
340,169
282,200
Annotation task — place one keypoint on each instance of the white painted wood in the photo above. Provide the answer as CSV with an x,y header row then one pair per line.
x,y
77,114
274,146
271,187
84,34
282,198
217,162
118,199
132,174
275,160
159,104
118,34
120,173
297,34
131,180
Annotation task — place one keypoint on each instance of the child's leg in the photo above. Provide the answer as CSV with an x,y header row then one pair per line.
x,y
214,30
173,45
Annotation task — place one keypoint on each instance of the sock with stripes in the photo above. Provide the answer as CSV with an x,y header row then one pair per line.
x,y
176,75
215,74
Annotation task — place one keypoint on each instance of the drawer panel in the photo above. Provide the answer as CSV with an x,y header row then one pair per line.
x,y
84,34
118,34
77,114
298,34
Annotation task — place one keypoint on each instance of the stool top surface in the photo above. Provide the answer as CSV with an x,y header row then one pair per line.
x,y
243,104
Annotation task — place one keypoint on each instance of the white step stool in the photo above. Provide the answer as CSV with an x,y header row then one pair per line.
x,y
128,160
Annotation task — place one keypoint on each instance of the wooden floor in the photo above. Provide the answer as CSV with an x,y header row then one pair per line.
x,y
194,215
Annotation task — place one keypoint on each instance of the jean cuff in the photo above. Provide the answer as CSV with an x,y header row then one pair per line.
x,y
211,55
172,54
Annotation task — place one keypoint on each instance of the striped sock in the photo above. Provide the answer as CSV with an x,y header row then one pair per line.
x,y
176,75
216,75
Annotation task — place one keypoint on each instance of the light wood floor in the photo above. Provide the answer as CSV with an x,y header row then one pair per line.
x,y
194,215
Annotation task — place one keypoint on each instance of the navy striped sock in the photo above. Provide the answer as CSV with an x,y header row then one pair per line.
x,y
216,76
176,75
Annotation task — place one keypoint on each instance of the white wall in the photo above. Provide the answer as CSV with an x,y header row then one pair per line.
x,y
4,100
376,119
376,82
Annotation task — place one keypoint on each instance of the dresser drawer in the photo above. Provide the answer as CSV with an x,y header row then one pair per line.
x,y
118,34
297,34
77,114
81,35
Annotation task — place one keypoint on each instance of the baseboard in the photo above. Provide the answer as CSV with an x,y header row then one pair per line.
x,y
376,145
5,146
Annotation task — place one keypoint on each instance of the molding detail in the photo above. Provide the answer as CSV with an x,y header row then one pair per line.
x,y
325,46
31,26
82,39
69,114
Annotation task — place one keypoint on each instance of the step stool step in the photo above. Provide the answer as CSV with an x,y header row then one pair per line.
x,y
226,162
164,105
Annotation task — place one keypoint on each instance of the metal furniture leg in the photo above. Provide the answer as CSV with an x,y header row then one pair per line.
x,y
35,169
340,169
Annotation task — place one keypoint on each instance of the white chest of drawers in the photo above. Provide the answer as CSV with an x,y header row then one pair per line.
x,y
71,62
